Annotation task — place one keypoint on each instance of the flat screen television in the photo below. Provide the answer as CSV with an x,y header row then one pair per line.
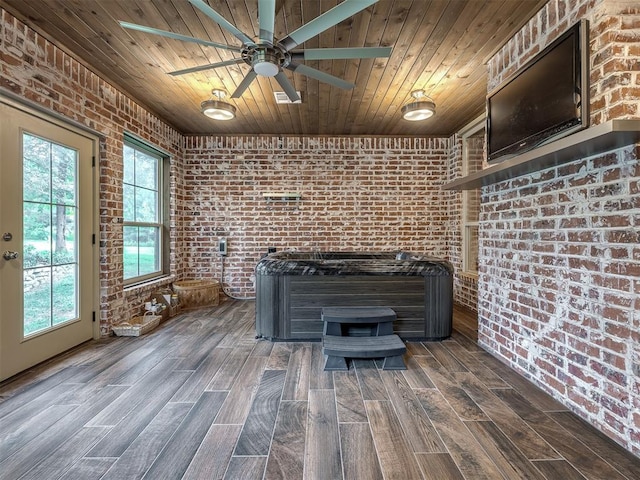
x,y
546,99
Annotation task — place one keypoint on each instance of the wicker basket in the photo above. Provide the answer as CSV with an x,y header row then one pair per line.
x,y
137,325
197,293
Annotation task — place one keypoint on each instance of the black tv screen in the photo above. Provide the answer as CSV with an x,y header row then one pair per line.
x,y
546,99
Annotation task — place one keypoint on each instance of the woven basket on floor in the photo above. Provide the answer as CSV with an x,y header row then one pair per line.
x,y
137,325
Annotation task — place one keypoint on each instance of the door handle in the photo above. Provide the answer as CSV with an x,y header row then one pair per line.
x,y
8,255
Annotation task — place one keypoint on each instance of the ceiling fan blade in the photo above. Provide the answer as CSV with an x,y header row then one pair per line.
x,y
318,75
207,67
287,87
328,19
267,19
220,20
342,53
176,36
244,84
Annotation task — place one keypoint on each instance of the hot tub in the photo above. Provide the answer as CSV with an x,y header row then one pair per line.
x,y
293,287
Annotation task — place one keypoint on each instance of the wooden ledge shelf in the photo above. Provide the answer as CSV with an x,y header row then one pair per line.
x,y
602,138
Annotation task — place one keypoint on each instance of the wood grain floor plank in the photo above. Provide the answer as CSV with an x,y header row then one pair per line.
x,y
624,461
415,374
193,387
181,448
16,435
518,431
296,385
350,405
70,451
322,455
88,468
560,469
262,348
417,348
446,359
50,440
238,403
468,454
536,396
481,371
246,467
438,466
459,400
258,428
134,396
394,450
286,458
15,398
511,461
417,427
359,456
279,357
569,446
371,384
318,378
213,457
144,450
200,352
125,432
229,370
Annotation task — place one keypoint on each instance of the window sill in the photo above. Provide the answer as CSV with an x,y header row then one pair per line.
x,y
469,276
153,282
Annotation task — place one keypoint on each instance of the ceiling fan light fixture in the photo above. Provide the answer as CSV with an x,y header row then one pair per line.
x,y
265,63
217,109
420,109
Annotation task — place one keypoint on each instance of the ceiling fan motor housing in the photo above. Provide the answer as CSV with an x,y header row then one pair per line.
x,y
266,60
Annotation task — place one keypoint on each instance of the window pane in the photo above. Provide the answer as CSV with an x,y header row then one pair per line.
x,y
471,240
146,171
37,300
36,234
64,293
36,172
472,209
146,205
129,202
63,172
148,252
129,163
130,252
64,235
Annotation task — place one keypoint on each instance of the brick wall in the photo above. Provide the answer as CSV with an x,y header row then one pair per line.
x,y
560,262
358,194
36,70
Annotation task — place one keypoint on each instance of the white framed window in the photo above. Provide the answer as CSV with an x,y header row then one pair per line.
x,y
473,155
144,244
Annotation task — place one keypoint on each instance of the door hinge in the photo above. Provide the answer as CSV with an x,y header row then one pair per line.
x,y
93,161
93,239
93,316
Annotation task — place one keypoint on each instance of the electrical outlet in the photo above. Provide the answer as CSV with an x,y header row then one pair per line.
x,y
222,246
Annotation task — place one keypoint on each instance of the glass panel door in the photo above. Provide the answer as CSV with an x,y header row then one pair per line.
x,y
50,257
48,289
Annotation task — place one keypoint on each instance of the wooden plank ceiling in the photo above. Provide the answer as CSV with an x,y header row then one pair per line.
x,y
440,46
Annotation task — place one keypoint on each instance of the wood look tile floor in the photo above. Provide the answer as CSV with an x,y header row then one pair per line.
x,y
201,398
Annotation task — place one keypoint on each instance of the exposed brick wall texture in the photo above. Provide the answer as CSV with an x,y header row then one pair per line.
x,y
358,194
38,71
560,262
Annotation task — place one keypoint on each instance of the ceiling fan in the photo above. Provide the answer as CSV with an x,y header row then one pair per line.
x,y
267,56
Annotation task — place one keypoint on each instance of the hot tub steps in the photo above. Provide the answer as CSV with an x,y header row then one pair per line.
x,y
338,349
361,332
